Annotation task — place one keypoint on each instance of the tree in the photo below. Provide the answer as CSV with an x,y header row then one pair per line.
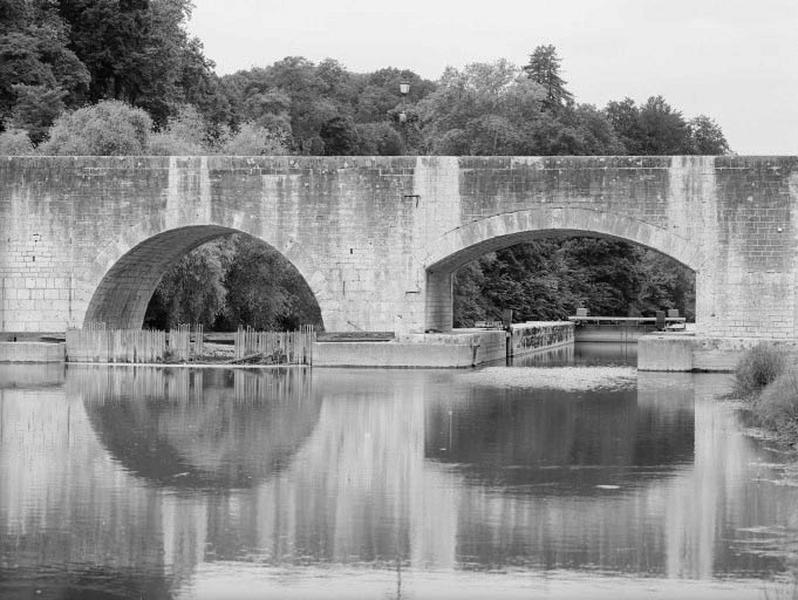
x,y
39,75
107,128
192,291
379,139
36,107
201,87
265,291
138,51
469,301
270,109
624,117
298,97
253,140
596,133
544,69
309,108
663,129
109,38
549,279
484,109
706,136
186,133
487,109
339,136
14,142
656,128
663,284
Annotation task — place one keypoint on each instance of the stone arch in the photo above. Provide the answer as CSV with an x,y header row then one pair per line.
x,y
463,244
132,267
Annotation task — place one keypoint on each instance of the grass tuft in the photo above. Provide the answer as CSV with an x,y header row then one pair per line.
x,y
758,367
777,405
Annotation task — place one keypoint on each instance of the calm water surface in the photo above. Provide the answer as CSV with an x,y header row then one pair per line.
x,y
183,483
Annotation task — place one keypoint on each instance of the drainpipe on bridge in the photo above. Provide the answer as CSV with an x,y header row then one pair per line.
x,y
507,322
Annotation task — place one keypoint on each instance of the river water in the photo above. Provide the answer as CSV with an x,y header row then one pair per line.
x,y
571,476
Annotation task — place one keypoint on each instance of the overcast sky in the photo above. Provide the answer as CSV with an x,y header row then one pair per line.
x,y
734,60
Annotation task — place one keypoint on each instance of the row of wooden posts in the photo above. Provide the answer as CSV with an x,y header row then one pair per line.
x,y
96,343
275,347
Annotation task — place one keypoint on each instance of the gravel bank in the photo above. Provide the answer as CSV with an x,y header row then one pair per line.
x,y
559,378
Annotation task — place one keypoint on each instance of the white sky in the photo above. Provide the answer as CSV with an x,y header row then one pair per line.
x,y
734,60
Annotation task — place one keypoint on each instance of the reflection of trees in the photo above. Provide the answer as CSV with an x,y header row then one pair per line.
x,y
358,490
545,434
362,488
716,499
188,428
64,504
87,582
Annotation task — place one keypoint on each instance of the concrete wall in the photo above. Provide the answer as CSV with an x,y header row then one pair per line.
x,y
459,349
678,352
377,239
31,352
393,355
464,348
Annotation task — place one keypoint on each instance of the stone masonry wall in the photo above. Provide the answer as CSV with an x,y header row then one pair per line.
x,y
377,239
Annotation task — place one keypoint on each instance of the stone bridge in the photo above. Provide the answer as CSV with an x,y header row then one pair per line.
x,y
377,239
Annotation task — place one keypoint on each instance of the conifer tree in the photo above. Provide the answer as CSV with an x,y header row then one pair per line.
x,y
544,69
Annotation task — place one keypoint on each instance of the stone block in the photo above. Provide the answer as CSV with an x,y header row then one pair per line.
x,y
31,352
665,352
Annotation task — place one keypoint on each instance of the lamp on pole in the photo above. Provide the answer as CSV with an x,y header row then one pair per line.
x,y
404,89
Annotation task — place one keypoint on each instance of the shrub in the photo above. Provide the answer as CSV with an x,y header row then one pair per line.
x,y
758,367
15,142
253,140
109,128
165,143
183,135
36,108
378,139
777,406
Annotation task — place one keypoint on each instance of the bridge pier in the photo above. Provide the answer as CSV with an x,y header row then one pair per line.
x,y
439,302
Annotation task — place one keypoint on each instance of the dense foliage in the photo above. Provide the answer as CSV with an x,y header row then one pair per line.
x,y
124,77
549,279
233,281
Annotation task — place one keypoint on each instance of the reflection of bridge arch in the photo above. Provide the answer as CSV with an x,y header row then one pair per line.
x,y
366,444
364,490
548,434
468,242
209,429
